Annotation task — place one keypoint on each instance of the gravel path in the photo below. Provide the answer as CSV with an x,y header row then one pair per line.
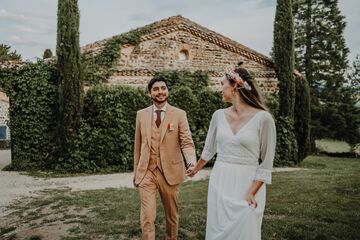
x,y
14,185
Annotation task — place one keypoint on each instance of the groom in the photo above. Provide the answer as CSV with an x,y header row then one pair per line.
x,y
162,137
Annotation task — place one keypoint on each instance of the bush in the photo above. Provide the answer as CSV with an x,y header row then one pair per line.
x,y
340,154
32,93
183,97
286,147
107,130
5,144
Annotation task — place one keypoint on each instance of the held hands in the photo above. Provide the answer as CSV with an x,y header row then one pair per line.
x,y
191,171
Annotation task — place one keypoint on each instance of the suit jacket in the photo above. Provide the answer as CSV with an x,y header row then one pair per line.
x,y
175,136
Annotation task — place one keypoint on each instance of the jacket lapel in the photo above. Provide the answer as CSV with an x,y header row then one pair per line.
x,y
166,121
149,118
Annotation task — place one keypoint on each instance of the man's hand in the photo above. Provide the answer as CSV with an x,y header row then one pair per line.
x,y
135,185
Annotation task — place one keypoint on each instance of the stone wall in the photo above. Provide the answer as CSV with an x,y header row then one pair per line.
x,y
183,51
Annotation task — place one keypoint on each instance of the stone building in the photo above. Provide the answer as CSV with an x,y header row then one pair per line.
x,y
177,43
4,107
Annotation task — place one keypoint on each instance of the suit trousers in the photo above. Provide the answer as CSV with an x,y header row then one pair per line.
x,y
153,182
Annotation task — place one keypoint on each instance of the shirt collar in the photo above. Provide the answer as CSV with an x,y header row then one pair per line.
x,y
164,108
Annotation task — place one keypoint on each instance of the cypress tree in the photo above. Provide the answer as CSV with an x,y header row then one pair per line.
x,y
70,82
284,67
302,117
284,56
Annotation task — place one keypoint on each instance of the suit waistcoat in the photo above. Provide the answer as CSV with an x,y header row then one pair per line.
x,y
155,147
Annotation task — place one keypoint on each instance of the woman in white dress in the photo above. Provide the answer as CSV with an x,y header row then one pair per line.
x,y
244,138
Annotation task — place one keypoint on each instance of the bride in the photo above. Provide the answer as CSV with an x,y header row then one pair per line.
x,y
244,138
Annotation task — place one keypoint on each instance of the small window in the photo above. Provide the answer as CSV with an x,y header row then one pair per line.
x,y
2,132
183,55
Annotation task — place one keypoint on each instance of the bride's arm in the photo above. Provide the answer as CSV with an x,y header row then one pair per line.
x,y
253,190
267,153
209,148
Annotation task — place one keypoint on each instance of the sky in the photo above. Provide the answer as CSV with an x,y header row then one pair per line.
x,y
29,26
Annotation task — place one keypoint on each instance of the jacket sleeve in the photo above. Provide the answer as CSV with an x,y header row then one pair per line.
x,y
137,142
186,141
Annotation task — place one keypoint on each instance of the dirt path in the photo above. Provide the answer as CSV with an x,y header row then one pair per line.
x,y
14,185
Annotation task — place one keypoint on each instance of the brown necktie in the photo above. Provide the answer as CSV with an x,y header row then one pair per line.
x,y
158,117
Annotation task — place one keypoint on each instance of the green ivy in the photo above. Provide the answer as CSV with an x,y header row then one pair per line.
x,y
32,93
98,68
286,145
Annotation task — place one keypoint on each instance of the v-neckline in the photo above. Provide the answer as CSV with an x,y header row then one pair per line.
x,y
228,124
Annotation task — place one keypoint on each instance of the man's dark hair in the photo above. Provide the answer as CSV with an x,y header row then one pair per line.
x,y
154,80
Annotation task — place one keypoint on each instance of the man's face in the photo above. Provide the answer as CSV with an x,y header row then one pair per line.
x,y
159,92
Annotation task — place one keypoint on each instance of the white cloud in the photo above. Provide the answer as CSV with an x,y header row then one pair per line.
x,y
15,39
4,14
249,22
23,28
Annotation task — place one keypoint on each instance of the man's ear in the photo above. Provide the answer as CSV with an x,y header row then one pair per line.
x,y
149,94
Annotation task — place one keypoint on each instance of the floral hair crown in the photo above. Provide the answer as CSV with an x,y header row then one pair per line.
x,y
230,73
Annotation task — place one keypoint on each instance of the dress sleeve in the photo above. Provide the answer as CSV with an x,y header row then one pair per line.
x,y
267,149
210,143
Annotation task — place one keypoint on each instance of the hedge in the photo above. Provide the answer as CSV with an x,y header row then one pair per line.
x,y
106,135
32,93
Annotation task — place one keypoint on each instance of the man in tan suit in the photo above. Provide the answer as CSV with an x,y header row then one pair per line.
x,y
162,133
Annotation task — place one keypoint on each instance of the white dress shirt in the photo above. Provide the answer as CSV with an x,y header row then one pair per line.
x,y
163,110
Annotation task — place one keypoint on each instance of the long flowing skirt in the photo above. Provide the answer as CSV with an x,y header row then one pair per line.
x,y
229,216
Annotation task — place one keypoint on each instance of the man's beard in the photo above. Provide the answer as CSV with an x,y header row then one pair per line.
x,y
157,101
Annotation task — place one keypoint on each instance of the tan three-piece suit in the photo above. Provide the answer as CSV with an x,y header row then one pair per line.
x,y
159,165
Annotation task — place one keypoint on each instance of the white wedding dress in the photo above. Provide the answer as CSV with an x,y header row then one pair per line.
x,y
229,216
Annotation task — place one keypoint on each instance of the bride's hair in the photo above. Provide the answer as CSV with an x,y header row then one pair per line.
x,y
252,96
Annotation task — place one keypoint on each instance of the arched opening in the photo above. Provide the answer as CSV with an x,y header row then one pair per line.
x,y
183,55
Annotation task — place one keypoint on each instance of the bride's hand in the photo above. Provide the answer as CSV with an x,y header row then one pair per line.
x,y
251,200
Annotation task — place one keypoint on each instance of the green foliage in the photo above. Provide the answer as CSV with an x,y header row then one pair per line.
x,y
189,92
321,56
70,95
209,102
4,144
272,103
344,116
353,77
284,67
284,56
100,67
106,136
32,92
302,118
47,53
286,145
6,55
184,98
288,150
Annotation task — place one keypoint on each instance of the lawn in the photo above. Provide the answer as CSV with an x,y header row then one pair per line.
x,y
329,145
319,202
